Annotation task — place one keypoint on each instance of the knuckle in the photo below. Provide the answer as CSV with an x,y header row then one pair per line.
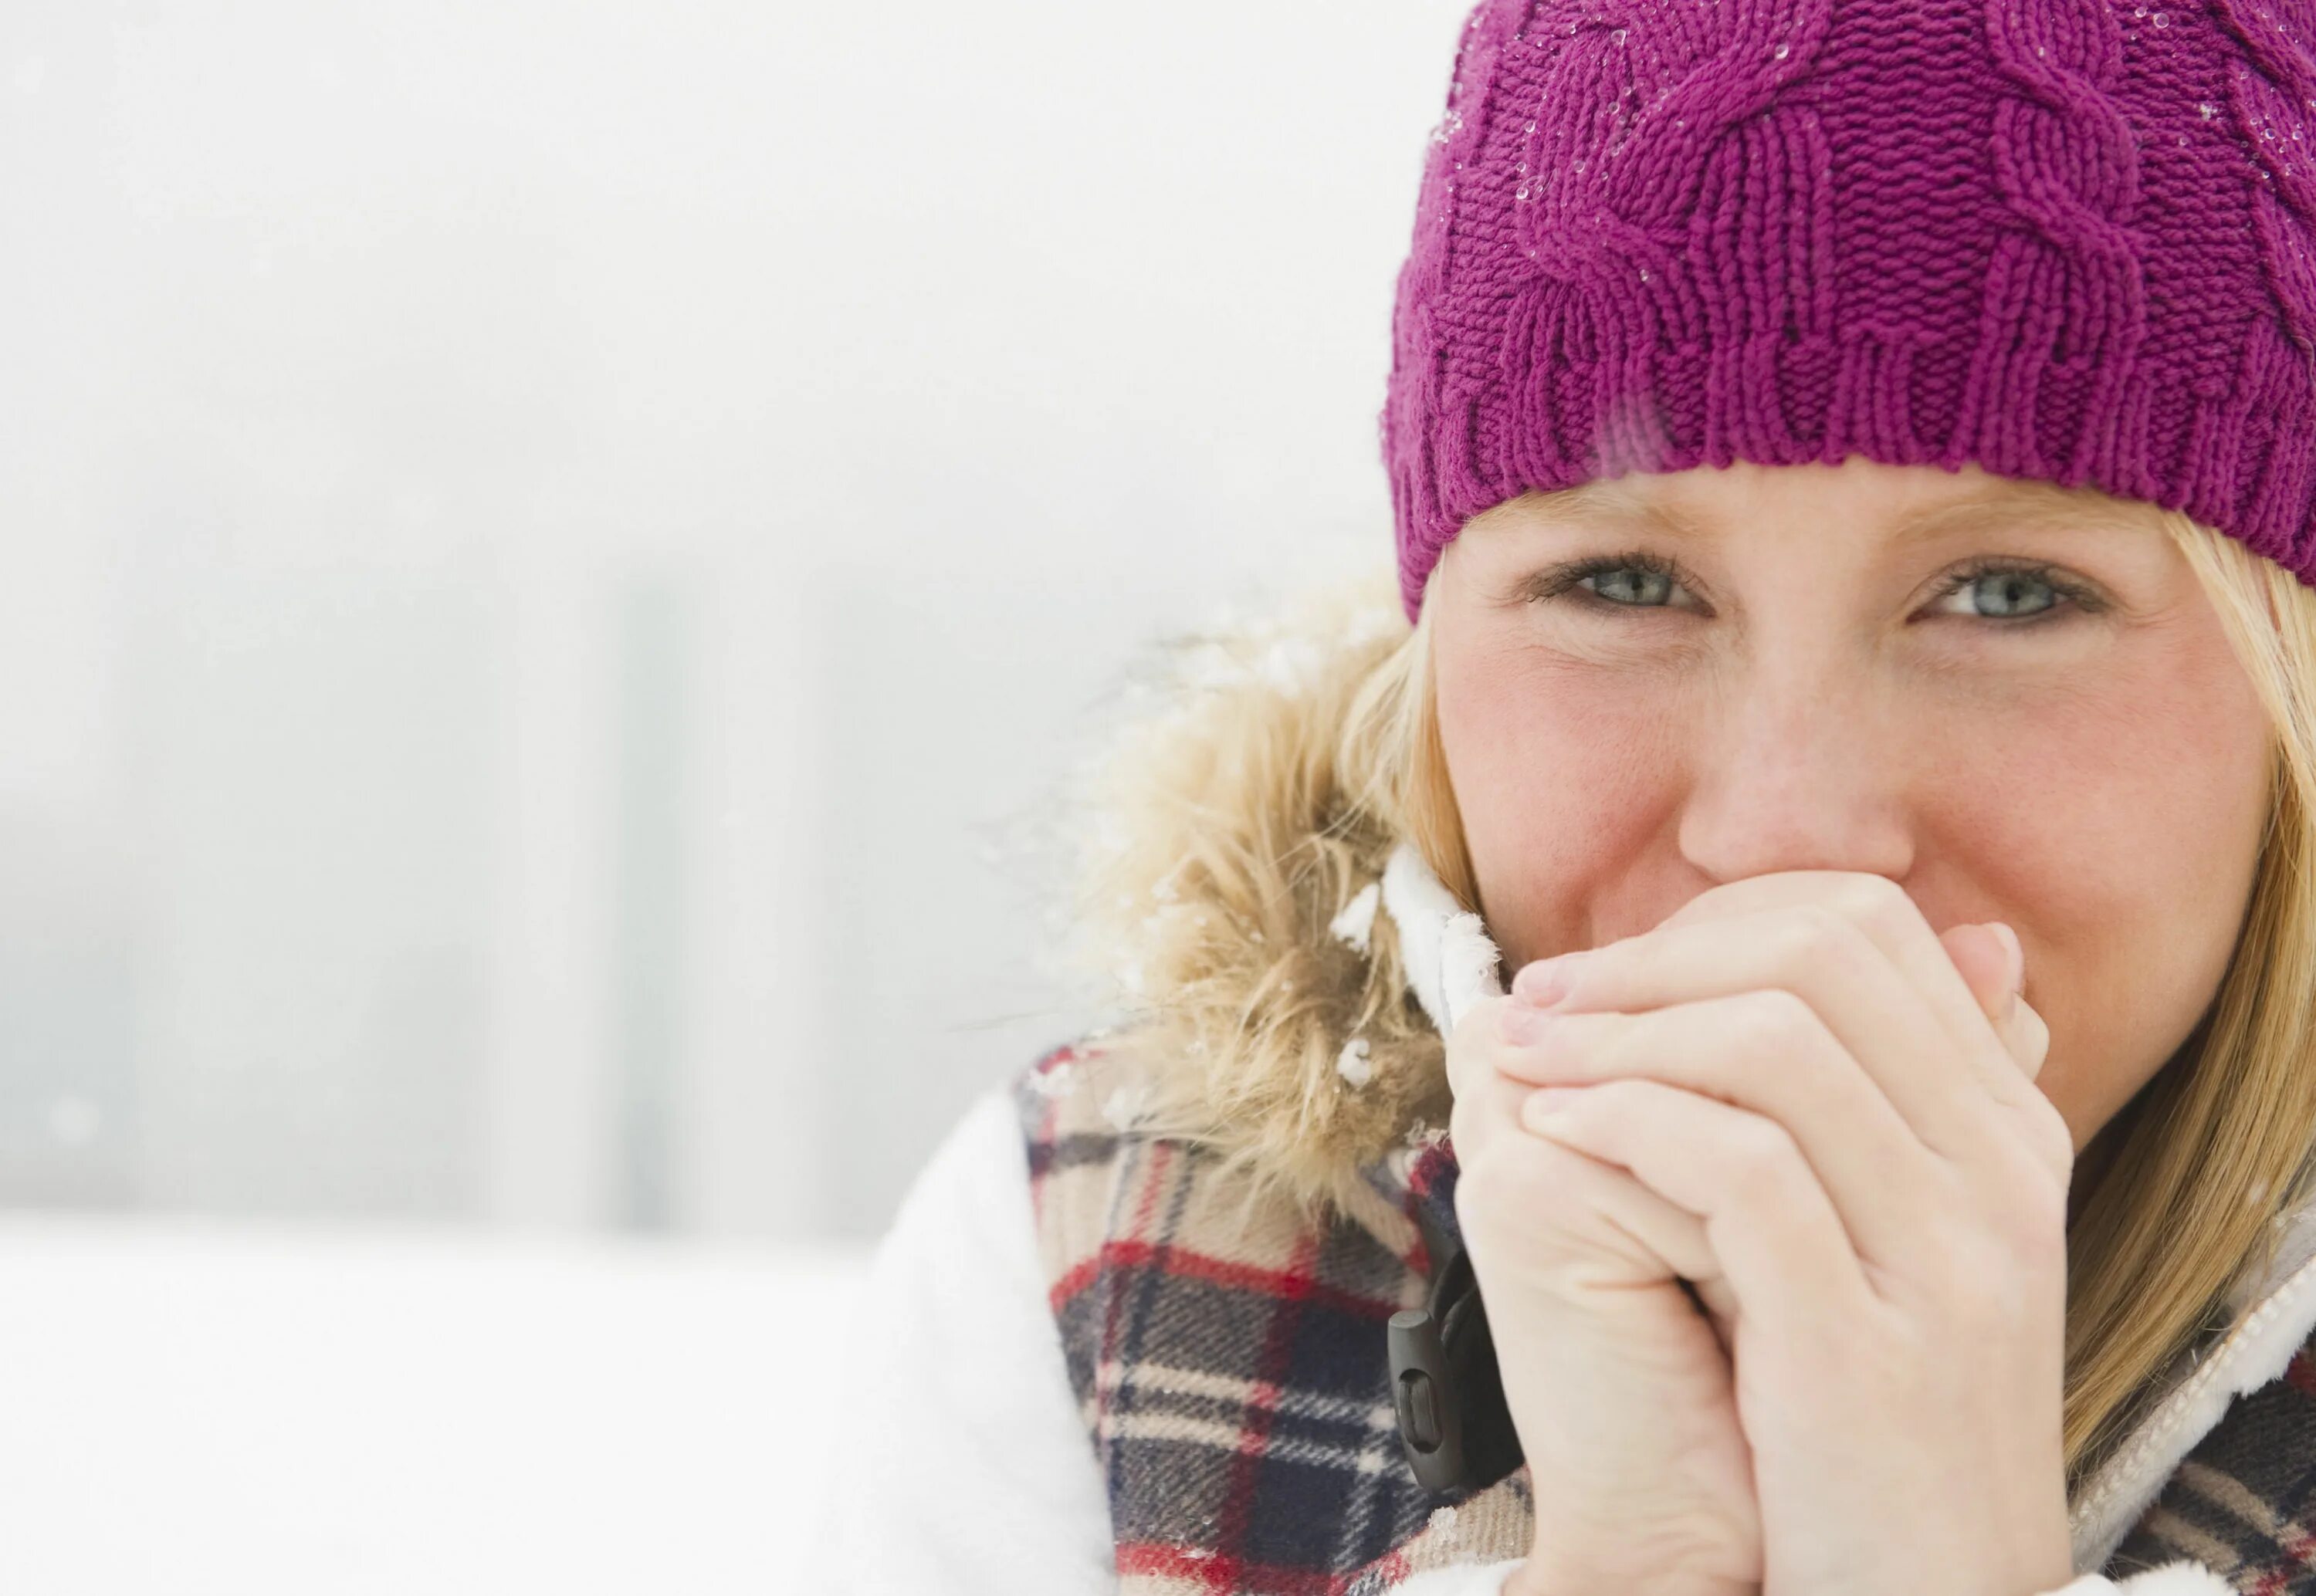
x,y
1815,931
1824,938
2022,1203
1604,1105
1878,905
1763,1164
1769,1022
1509,1187
2049,1137
1536,1212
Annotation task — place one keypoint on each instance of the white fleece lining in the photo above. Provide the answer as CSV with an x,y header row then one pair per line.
x,y
1450,959
2253,1353
2182,1578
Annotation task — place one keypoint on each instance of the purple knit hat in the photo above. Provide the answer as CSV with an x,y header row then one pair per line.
x,y
2067,239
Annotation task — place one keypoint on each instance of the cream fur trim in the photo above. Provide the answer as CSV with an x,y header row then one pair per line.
x,y
1450,960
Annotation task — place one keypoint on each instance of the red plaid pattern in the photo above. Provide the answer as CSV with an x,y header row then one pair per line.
x,y
1228,1354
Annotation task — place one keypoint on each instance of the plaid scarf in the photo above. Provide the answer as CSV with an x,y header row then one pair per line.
x,y
1228,1354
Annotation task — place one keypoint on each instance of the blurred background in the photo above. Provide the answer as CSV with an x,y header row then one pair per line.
x,y
556,553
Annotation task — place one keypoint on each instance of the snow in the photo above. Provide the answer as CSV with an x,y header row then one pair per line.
x,y
202,1408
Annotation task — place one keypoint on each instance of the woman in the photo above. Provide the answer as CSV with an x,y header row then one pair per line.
x,y
1853,475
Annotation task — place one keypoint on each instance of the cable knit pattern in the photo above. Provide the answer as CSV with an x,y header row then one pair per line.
x,y
2064,239
2067,297
2271,91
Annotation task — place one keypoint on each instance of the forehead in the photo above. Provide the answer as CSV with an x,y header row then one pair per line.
x,y
1904,504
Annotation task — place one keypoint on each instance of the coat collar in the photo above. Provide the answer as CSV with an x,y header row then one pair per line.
x,y
1453,964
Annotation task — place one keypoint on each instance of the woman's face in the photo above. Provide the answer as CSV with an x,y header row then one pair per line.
x,y
1793,686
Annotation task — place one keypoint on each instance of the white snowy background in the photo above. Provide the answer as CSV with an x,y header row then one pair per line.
x,y
552,549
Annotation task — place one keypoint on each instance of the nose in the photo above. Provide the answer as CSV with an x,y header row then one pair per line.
x,y
1797,767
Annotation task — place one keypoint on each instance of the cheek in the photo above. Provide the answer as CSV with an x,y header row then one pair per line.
x,y
2118,826
1557,780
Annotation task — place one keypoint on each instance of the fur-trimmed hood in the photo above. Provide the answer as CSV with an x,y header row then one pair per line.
x,y
1246,908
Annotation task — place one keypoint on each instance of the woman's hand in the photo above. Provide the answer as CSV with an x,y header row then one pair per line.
x,y
1619,1388
1796,1094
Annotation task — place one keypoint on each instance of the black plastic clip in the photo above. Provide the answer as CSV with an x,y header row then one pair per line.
x,y
1445,1385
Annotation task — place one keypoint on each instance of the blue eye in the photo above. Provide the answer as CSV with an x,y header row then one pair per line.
x,y
2008,583
1640,580
2012,593
1634,585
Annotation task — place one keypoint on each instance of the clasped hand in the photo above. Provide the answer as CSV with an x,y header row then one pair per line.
x,y
1770,1216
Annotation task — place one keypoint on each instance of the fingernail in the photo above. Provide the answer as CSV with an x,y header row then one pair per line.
x,y
1522,1023
1546,980
1550,1103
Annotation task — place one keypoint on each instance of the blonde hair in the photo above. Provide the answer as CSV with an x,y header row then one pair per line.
x,y
2216,1146
1297,754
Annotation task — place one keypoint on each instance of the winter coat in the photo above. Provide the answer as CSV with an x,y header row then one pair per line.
x,y
1023,1422
1095,1354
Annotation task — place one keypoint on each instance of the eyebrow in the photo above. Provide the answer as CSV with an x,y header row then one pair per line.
x,y
2036,502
